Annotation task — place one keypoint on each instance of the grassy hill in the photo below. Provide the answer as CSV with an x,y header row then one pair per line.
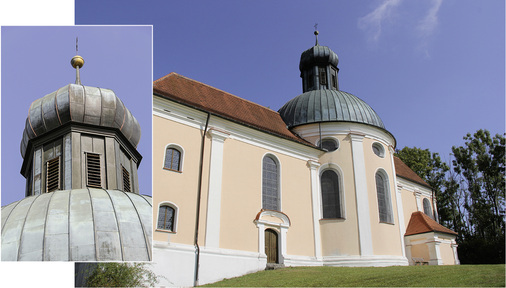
x,y
405,276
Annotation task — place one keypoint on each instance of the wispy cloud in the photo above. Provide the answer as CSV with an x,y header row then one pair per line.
x,y
427,25
372,22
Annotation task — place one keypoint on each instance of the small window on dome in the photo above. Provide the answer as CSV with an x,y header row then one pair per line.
x,y
323,75
378,149
333,78
329,145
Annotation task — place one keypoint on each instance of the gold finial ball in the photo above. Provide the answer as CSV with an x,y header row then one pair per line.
x,y
77,61
316,32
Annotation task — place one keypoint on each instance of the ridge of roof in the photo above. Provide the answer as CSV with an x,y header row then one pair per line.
x,y
402,170
259,117
421,223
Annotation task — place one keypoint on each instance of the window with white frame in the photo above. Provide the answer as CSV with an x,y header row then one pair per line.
x,y
173,159
166,218
384,201
270,184
331,195
427,209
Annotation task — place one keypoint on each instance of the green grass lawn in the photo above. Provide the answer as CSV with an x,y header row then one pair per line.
x,y
398,276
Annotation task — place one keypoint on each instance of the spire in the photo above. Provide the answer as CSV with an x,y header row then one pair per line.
x,y
316,34
77,62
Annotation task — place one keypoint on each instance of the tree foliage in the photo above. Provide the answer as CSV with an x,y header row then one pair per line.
x,y
119,274
471,196
430,168
480,163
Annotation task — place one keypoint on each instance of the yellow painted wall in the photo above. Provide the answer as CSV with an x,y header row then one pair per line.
x,y
420,251
242,198
386,237
340,236
178,188
408,205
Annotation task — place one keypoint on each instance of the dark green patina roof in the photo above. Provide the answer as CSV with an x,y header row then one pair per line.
x,y
317,55
328,106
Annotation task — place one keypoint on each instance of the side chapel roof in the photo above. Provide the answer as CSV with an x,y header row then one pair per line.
x,y
203,97
421,223
402,170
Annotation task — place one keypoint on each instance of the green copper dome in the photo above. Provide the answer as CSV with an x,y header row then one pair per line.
x,y
328,106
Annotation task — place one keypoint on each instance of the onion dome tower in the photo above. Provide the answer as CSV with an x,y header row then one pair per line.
x,y
82,193
322,101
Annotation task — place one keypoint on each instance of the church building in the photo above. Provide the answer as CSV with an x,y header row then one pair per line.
x,y
238,187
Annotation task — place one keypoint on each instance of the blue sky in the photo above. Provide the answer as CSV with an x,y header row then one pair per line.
x,y
36,62
433,70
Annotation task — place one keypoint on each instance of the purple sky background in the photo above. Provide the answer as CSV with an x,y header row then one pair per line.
x,y
433,70
36,62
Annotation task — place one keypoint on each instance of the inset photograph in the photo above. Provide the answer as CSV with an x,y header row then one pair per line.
x,y
76,143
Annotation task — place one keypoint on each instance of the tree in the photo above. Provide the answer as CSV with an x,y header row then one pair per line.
x,y
115,274
430,168
481,163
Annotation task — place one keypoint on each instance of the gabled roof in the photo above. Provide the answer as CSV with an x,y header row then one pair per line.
x,y
403,170
421,223
203,97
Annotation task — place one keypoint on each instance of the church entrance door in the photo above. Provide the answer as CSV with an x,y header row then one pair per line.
x,y
271,246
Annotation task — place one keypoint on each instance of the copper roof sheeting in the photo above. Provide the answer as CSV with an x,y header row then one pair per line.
x,y
328,106
79,104
78,225
403,170
421,223
206,98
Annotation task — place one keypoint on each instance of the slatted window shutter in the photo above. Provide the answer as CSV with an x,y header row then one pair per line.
x,y
126,180
53,174
93,175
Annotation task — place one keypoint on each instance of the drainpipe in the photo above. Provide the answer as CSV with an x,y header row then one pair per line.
x,y
199,194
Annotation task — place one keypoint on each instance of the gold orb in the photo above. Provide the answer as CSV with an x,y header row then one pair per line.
x,y
77,61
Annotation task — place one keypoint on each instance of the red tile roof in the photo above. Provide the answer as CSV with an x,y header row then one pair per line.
x,y
421,223
403,170
203,97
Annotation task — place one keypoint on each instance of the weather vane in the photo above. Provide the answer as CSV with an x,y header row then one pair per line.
x,y
76,45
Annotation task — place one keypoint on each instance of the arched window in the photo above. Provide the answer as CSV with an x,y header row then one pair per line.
x,y
331,198
384,202
172,159
270,184
427,208
166,218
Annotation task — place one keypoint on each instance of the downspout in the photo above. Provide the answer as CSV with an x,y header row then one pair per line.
x,y
434,213
199,194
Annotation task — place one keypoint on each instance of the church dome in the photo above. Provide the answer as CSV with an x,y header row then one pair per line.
x,y
95,225
79,104
317,55
328,106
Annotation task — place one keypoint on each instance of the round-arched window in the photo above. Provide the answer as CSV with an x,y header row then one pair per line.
x,y
329,145
378,149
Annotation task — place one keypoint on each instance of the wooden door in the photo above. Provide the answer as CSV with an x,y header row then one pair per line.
x,y
271,246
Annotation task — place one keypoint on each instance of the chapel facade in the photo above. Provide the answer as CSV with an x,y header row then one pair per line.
x,y
240,188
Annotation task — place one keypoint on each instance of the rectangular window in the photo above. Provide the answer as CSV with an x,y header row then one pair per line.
x,y
93,170
323,75
126,180
53,174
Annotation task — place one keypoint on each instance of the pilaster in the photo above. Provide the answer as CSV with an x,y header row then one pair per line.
x,y
214,194
361,194
315,198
